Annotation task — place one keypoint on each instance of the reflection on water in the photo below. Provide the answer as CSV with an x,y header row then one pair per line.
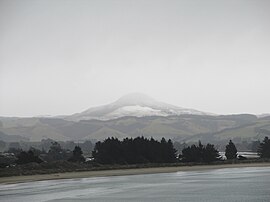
x,y
231,184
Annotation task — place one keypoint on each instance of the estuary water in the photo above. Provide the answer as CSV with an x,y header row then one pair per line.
x,y
230,184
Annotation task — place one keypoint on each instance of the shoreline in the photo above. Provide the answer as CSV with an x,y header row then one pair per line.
x,y
122,172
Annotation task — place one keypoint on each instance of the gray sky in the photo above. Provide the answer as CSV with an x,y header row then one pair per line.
x,y
61,57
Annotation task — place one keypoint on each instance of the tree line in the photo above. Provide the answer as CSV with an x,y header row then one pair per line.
x,y
134,151
44,145
33,155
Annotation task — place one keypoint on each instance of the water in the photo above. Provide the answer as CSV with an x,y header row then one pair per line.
x,y
231,184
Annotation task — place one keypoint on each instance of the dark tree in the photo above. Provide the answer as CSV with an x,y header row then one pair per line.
x,y
77,155
108,152
190,154
264,148
171,152
27,157
56,153
200,153
231,151
210,153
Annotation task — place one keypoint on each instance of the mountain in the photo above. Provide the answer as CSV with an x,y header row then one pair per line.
x,y
135,104
135,115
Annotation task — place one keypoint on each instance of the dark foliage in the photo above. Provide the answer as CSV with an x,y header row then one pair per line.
x,y
134,151
264,148
28,157
231,151
200,153
56,153
77,155
7,159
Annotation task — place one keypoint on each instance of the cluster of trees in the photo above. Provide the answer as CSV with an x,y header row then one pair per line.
x,y
28,157
55,153
45,144
200,153
208,153
132,151
263,149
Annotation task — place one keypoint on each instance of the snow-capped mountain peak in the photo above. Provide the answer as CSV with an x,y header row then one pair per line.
x,y
135,104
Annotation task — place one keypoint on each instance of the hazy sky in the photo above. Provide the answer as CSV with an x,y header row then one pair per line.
x,y
61,57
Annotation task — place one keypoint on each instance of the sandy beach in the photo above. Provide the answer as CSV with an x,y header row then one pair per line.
x,y
119,172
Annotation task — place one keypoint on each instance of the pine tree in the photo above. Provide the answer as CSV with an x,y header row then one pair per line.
x,y
231,151
171,152
77,155
210,153
264,148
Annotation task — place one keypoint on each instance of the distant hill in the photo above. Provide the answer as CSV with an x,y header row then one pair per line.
x,y
255,130
11,138
180,128
31,129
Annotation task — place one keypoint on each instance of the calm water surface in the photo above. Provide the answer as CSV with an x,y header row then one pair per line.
x,y
231,184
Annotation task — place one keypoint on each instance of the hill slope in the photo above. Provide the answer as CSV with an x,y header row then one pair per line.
x,y
252,131
180,128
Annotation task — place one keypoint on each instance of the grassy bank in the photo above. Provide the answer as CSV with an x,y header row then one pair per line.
x,y
65,167
128,170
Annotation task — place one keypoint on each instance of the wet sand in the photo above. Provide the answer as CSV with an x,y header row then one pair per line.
x,y
119,172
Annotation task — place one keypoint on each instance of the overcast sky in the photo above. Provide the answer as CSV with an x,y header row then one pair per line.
x,y
62,57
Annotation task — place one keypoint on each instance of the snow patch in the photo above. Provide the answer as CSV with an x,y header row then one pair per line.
x,y
137,110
